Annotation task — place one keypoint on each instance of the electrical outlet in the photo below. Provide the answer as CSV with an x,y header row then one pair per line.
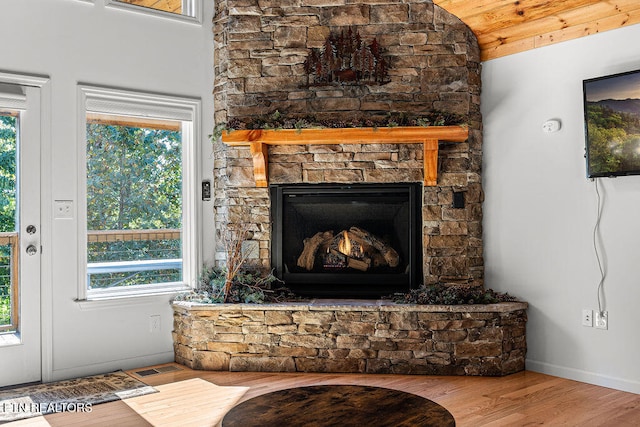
x,y
587,318
602,320
154,324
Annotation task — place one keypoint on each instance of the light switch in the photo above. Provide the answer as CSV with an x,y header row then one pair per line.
x,y
63,209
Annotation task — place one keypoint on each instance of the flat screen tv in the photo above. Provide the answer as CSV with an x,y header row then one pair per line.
x,y
612,121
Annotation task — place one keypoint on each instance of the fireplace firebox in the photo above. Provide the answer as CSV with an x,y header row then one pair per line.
x,y
347,240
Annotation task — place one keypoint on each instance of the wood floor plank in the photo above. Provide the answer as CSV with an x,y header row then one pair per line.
x,y
522,399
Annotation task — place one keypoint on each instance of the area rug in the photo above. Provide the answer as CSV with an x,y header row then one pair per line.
x,y
338,405
76,395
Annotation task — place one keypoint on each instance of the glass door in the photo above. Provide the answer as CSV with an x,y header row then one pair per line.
x,y
20,348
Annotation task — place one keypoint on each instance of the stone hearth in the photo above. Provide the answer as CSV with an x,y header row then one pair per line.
x,y
352,336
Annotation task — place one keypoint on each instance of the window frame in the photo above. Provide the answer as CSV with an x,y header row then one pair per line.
x,y
95,99
195,19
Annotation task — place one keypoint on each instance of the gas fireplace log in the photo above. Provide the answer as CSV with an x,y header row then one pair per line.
x,y
311,245
358,264
377,260
362,236
363,263
337,253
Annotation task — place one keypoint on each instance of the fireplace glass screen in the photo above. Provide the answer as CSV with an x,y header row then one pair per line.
x,y
356,240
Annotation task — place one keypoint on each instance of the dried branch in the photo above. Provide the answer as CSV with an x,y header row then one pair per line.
x,y
232,238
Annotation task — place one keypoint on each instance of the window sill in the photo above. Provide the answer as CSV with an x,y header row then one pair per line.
x,y
10,339
120,298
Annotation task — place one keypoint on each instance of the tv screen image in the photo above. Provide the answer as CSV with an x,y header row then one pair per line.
x,y
612,121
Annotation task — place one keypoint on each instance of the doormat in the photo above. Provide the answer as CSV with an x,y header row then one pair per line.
x,y
76,395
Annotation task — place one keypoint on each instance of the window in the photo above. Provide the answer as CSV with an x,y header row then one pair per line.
x,y
188,9
139,174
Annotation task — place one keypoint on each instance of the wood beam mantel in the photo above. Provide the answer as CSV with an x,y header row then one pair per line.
x,y
259,140
260,155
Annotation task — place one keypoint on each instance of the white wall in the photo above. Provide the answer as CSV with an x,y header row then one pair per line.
x,y
540,210
71,42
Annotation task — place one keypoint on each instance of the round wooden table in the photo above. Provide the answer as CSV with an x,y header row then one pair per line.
x,y
338,405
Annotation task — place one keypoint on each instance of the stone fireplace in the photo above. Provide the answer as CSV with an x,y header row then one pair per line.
x,y
433,65
434,62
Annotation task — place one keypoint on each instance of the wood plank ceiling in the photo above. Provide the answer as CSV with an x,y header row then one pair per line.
x,y
505,27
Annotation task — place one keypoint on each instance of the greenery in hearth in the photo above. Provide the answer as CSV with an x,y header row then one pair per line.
x,y
277,120
247,286
237,281
442,294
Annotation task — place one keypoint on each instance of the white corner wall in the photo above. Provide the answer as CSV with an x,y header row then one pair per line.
x,y
77,41
540,210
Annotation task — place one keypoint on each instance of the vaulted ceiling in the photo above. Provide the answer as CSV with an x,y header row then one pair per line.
x,y
504,27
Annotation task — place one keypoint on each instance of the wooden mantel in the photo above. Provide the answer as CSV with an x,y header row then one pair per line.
x,y
259,140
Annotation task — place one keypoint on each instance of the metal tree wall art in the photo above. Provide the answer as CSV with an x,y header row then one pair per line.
x,y
347,59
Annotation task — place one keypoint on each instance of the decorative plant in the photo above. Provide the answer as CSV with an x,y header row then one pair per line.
x,y
277,120
452,295
247,286
236,282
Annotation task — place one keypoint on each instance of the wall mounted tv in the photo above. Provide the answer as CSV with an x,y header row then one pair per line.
x,y
612,121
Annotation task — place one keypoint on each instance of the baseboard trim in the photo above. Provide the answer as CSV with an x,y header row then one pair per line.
x,y
101,368
584,376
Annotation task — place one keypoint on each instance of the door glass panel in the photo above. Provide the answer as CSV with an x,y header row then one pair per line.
x,y
8,233
134,201
20,223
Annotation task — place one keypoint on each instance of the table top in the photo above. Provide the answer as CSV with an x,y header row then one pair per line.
x,y
338,405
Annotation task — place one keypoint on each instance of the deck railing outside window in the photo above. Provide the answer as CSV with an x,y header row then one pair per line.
x,y
132,257
8,282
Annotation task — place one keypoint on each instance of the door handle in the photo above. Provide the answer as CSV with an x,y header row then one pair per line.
x,y
32,250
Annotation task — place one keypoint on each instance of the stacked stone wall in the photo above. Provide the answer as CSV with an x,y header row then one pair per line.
x,y
260,49
360,338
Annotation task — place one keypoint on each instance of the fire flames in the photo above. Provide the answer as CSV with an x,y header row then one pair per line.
x,y
345,244
347,248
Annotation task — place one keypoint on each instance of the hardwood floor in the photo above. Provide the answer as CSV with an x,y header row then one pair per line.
x,y
522,399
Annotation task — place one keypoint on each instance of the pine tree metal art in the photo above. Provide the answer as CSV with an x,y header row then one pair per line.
x,y
347,59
